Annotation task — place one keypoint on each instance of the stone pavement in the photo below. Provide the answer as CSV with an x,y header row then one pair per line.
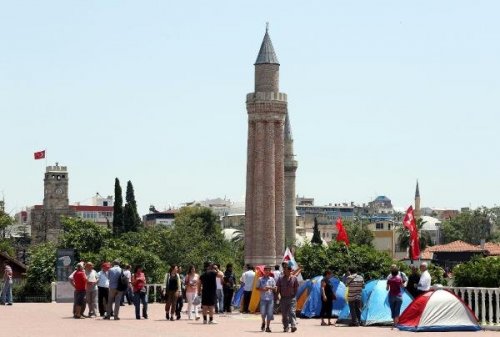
x,y
55,320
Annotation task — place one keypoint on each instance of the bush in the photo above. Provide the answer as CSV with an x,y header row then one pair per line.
x,y
338,257
479,272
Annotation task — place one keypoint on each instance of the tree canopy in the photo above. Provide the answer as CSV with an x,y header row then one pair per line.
x,y
472,226
118,225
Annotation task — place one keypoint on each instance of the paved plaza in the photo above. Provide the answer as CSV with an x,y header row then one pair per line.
x,y
54,320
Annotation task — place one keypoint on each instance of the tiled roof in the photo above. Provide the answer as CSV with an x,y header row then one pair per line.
x,y
492,248
455,246
266,52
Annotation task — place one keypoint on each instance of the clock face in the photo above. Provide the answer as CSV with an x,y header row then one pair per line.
x,y
59,191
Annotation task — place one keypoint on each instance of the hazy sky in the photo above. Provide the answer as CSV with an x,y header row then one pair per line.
x,y
380,93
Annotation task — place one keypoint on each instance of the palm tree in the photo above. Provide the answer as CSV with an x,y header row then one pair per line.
x,y
423,236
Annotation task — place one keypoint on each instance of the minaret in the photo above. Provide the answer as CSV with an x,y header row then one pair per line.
x,y
290,197
265,190
417,203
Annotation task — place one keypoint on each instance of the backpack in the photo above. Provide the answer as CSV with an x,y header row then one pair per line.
x,y
122,282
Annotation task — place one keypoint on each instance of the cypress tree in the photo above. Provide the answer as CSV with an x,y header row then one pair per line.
x,y
316,239
118,209
132,220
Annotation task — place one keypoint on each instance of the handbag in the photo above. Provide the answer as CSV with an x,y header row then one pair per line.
x,y
197,300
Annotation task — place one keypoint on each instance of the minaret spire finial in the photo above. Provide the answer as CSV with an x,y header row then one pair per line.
x,y
267,27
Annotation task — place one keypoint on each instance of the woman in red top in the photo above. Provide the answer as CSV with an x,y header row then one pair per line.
x,y
394,285
79,282
139,288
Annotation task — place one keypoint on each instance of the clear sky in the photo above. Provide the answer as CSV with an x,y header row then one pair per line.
x,y
380,93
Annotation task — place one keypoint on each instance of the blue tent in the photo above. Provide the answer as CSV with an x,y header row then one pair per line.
x,y
375,300
312,307
238,295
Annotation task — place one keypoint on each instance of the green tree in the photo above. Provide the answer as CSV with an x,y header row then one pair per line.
x,y
316,239
358,232
196,238
479,272
338,257
472,226
118,226
82,235
5,221
41,268
131,218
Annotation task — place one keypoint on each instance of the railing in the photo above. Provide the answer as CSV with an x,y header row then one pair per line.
x,y
485,302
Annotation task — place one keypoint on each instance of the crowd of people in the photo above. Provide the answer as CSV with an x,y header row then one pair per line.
x,y
213,290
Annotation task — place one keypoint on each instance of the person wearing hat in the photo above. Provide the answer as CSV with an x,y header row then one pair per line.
x,y
103,288
287,286
267,287
79,282
91,288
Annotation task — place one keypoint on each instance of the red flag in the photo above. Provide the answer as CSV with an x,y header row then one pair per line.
x,y
39,155
410,223
341,233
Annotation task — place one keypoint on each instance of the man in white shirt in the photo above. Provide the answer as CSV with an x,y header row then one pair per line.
x,y
425,279
91,291
247,279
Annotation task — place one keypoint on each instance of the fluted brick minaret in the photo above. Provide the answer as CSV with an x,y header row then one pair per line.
x,y
290,197
265,191
417,211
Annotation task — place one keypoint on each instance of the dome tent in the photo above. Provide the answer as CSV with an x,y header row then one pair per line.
x,y
375,300
438,310
312,306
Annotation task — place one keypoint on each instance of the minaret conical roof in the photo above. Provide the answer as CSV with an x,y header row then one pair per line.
x,y
417,191
266,52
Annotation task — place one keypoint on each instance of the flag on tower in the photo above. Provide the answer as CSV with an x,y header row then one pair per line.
x,y
410,224
39,155
341,233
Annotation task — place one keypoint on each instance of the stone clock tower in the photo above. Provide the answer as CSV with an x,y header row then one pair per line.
x,y
46,218
55,188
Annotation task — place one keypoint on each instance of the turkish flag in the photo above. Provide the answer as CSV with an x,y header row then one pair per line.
x,y
39,155
341,233
410,223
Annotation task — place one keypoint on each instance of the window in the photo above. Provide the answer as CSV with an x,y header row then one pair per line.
x,y
379,225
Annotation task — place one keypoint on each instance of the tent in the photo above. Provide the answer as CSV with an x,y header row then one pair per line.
x,y
438,310
238,298
312,306
375,300
303,294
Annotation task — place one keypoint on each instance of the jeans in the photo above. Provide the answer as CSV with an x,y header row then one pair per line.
x,y
395,304
189,297
267,309
219,305
288,305
139,297
355,307
7,292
